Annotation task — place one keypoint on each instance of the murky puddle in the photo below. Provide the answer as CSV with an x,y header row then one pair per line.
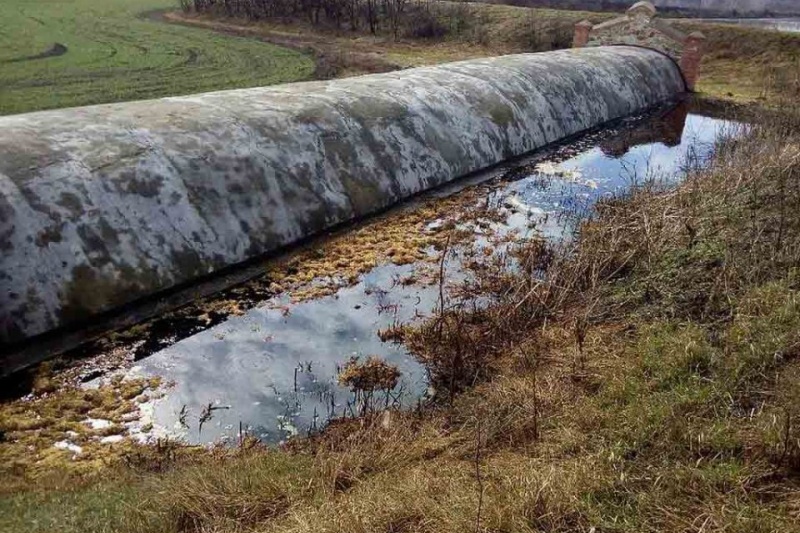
x,y
272,371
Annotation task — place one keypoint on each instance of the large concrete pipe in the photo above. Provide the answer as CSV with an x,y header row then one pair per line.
x,y
103,205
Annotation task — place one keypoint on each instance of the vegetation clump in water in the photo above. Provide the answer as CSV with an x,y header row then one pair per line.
x,y
373,374
68,427
364,378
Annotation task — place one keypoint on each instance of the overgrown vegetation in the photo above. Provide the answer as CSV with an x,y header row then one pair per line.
x,y
643,378
366,378
747,64
742,64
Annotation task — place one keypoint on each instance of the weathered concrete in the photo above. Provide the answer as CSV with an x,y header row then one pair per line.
x,y
102,205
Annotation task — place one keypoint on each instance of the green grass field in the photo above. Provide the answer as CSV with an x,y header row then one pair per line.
x,y
113,54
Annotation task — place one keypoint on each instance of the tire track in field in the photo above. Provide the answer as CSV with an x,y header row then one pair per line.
x,y
115,59
250,59
56,50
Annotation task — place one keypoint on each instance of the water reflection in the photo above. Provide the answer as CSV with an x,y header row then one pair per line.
x,y
559,191
273,370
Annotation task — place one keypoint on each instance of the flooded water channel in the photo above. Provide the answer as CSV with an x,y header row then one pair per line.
x,y
272,370
790,24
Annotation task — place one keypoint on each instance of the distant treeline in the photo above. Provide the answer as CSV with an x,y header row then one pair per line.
x,y
583,5
394,16
408,18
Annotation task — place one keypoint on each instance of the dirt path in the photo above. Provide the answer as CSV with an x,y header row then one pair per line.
x,y
339,54
334,58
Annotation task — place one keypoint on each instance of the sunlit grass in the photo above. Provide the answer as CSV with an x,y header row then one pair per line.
x,y
114,54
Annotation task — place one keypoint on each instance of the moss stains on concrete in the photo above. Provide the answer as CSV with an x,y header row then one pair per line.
x,y
120,201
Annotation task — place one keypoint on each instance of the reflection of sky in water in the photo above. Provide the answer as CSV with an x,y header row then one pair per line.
x,y
652,160
557,195
276,373
246,365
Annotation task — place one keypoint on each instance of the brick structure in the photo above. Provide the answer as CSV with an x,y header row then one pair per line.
x,y
693,49
641,26
582,30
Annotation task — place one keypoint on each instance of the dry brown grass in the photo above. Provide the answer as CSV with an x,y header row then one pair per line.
x,y
748,64
649,409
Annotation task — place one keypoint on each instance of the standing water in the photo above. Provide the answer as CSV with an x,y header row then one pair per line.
x,y
272,371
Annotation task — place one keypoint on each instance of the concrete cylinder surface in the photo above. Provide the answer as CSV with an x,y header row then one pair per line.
x,y
103,205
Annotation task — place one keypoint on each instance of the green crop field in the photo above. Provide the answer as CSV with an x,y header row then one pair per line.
x,y
60,53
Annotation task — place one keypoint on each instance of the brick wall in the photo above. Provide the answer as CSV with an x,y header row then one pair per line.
x,y
641,26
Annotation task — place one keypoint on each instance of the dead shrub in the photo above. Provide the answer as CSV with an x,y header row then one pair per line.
x,y
367,377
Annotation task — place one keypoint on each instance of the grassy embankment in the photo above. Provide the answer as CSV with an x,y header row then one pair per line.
x,y
61,54
742,64
749,64
649,381
88,51
429,33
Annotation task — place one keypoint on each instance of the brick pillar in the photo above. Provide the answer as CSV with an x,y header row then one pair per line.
x,y
582,30
693,49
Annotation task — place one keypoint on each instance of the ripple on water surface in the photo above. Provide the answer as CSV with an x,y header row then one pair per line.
x,y
273,370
